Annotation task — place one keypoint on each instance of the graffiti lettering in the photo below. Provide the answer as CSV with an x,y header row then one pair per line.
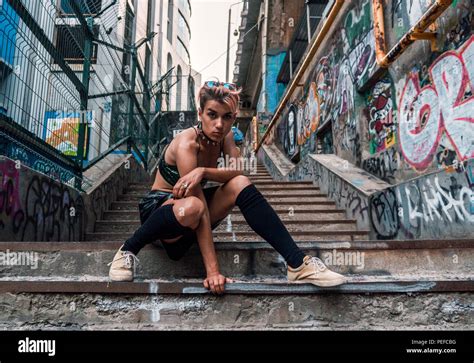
x,y
447,105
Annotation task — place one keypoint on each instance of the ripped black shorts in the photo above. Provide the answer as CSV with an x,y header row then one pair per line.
x,y
155,199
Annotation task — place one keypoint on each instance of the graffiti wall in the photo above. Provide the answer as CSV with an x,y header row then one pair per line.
x,y
415,118
444,107
34,207
410,125
432,206
330,97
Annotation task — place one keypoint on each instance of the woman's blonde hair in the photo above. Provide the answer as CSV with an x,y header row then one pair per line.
x,y
220,93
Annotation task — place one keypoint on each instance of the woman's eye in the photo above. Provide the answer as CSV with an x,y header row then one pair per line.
x,y
227,117
212,115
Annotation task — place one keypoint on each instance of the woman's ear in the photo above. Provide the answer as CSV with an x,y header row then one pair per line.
x,y
199,112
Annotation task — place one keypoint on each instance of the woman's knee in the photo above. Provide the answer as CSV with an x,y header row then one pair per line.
x,y
189,211
237,183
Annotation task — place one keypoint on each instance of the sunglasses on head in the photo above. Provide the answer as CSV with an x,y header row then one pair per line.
x,y
212,84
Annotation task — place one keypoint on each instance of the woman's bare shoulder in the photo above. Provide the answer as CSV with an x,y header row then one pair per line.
x,y
186,139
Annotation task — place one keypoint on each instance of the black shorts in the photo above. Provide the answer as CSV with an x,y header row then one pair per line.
x,y
153,200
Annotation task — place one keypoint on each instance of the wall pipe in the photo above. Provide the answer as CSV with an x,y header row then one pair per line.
x,y
417,32
306,62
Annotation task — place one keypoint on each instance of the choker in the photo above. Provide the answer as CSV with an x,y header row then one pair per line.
x,y
206,138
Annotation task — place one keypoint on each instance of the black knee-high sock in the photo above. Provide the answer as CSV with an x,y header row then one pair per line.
x,y
162,223
265,222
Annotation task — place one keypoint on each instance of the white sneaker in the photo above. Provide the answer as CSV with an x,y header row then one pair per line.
x,y
122,268
314,271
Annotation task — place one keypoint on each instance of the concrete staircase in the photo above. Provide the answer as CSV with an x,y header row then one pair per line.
x,y
392,284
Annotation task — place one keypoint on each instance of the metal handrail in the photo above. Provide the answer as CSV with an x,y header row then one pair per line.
x,y
106,153
417,32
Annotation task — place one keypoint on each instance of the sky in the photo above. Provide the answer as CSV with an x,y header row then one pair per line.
x,y
209,22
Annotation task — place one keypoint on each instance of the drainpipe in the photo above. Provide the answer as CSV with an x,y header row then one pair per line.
x,y
306,62
417,32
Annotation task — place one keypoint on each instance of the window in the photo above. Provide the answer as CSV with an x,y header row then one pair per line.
x,y
185,7
88,7
169,65
128,38
182,51
183,29
170,21
70,43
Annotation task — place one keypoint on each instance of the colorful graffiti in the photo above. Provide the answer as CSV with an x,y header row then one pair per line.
x,y
358,30
329,95
444,106
382,117
290,138
61,130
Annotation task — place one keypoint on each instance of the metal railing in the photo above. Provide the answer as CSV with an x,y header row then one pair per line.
x,y
71,79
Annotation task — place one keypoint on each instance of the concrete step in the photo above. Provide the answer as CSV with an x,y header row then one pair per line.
x,y
263,188
251,305
355,285
279,208
137,196
238,226
286,203
244,259
237,217
264,185
321,235
257,173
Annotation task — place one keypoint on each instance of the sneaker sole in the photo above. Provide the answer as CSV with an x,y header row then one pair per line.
x,y
120,278
329,283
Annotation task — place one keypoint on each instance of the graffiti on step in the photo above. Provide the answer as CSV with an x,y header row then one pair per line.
x,y
437,205
444,107
37,208
384,165
51,214
342,193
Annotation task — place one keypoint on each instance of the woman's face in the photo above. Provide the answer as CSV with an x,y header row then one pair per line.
x,y
217,119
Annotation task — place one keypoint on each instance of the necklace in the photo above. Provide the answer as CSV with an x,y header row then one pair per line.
x,y
204,137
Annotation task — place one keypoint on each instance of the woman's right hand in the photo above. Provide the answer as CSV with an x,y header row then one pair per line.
x,y
216,283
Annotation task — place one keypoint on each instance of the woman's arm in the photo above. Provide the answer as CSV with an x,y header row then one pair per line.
x,y
186,161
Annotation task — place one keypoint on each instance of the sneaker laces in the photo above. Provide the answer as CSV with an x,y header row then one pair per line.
x,y
318,263
130,260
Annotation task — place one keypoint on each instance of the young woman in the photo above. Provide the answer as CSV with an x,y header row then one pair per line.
x,y
183,212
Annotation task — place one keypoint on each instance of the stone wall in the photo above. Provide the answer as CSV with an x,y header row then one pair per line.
x,y
34,207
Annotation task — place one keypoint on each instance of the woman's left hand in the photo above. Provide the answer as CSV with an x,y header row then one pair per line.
x,y
187,182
